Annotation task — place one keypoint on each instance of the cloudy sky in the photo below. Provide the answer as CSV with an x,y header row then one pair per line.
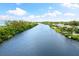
x,y
39,11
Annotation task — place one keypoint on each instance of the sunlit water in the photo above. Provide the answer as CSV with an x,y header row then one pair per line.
x,y
41,40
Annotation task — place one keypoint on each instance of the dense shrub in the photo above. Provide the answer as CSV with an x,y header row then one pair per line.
x,y
76,30
14,27
75,37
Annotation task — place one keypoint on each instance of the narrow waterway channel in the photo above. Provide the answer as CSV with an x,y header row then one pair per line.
x,y
41,40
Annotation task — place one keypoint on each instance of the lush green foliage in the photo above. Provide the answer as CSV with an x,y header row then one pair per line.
x,y
66,31
14,27
77,30
73,23
75,37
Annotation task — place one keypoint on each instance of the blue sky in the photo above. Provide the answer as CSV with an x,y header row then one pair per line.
x,y
39,11
33,8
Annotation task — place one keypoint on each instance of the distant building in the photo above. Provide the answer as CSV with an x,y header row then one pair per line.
x,y
60,25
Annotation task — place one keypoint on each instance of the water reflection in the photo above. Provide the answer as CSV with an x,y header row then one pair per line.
x,y
40,40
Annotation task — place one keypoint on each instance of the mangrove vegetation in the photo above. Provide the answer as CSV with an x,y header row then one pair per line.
x,y
11,28
68,29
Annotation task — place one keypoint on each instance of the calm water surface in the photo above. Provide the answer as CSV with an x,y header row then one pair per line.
x,y
41,40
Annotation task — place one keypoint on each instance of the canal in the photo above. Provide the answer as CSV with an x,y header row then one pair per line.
x,y
41,40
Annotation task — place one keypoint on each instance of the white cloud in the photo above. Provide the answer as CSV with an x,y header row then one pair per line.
x,y
3,17
17,11
18,4
69,14
57,12
44,17
52,14
49,16
71,5
32,16
9,17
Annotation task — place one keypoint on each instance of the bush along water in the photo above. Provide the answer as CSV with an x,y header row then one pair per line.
x,y
11,28
68,29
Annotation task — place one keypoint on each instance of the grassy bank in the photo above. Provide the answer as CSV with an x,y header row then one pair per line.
x,y
67,30
11,28
67,33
